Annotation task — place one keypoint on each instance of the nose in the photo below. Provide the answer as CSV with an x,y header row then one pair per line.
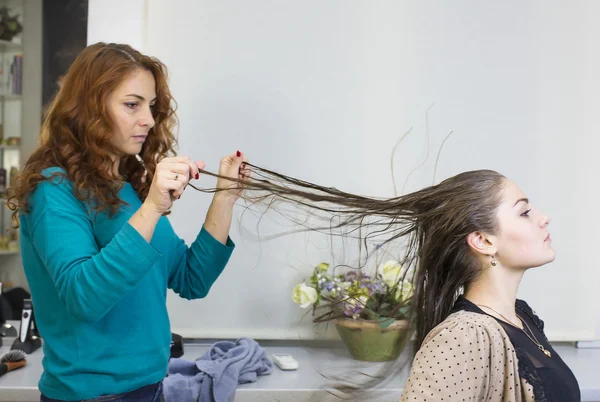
x,y
147,119
545,221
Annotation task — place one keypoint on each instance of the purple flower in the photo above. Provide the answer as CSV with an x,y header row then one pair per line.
x,y
351,276
353,307
352,311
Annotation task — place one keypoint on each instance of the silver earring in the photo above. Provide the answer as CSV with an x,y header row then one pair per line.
x,y
494,262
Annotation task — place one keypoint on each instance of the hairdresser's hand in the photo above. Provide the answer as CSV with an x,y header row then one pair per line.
x,y
170,179
232,166
218,217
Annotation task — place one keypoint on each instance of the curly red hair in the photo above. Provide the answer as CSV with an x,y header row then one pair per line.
x,y
77,130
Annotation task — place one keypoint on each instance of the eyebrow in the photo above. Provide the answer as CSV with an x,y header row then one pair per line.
x,y
525,200
140,97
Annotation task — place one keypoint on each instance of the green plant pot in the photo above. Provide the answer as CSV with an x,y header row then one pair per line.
x,y
367,341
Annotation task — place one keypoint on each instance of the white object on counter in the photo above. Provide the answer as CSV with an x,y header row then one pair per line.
x,y
285,361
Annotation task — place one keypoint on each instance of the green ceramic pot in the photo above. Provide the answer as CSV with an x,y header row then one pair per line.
x,y
367,341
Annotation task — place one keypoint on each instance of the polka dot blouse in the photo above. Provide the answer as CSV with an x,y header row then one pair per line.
x,y
468,357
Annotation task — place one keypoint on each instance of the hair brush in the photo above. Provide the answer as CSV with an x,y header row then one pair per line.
x,y
12,361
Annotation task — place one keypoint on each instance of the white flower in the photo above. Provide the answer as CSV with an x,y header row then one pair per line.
x,y
360,301
391,273
304,295
404,291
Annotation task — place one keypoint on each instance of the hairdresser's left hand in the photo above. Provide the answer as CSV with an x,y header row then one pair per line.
x,y
232,166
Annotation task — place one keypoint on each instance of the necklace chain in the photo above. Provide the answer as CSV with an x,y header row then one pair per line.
x,y
537,343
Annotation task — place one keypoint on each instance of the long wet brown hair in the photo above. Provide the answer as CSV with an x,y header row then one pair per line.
x,y
433,222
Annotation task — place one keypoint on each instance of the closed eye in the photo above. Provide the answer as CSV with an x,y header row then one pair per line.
x,y
131,105
526,213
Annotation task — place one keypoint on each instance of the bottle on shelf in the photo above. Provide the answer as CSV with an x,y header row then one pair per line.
x,y
14,173
2,180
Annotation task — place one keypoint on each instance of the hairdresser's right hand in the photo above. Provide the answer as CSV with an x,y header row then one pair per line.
x,y
170,179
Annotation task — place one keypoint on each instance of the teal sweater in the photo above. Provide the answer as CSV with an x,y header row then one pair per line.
x,y
99,290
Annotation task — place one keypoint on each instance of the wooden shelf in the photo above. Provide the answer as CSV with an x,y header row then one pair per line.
x,y
10,96
6,45
10,252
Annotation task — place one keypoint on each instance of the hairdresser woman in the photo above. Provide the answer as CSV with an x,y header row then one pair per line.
x,y
98,251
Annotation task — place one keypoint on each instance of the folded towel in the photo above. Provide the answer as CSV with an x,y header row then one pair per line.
x,y
215,375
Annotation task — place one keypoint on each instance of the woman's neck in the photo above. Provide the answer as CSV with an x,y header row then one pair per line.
x,y
496,288
116,165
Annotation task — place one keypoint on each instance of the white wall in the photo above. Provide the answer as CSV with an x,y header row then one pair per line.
x,y
117,21
322,90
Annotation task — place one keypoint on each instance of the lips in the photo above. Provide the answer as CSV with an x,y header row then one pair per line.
x,y
547,237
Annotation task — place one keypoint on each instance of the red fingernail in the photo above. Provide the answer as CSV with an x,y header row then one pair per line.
x,y
239,154
197,175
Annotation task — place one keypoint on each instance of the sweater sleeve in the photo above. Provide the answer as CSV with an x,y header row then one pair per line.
x,y
88,280
196,268
459,360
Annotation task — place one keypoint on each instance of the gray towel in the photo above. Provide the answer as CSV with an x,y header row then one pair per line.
x,y
215,375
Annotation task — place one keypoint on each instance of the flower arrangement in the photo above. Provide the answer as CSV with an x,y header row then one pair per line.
x,y
384,297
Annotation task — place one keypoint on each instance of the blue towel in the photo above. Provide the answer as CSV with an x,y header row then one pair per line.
x,y
215,375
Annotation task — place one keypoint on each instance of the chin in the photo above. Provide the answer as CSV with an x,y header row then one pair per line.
x,y
133,151
549,258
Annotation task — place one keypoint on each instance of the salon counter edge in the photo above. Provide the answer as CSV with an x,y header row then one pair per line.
x,y
316,360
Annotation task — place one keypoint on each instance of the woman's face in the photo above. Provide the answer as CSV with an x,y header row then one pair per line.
x,y
130,107
522,240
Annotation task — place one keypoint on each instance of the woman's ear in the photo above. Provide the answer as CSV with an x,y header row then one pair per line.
x,y
481,243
